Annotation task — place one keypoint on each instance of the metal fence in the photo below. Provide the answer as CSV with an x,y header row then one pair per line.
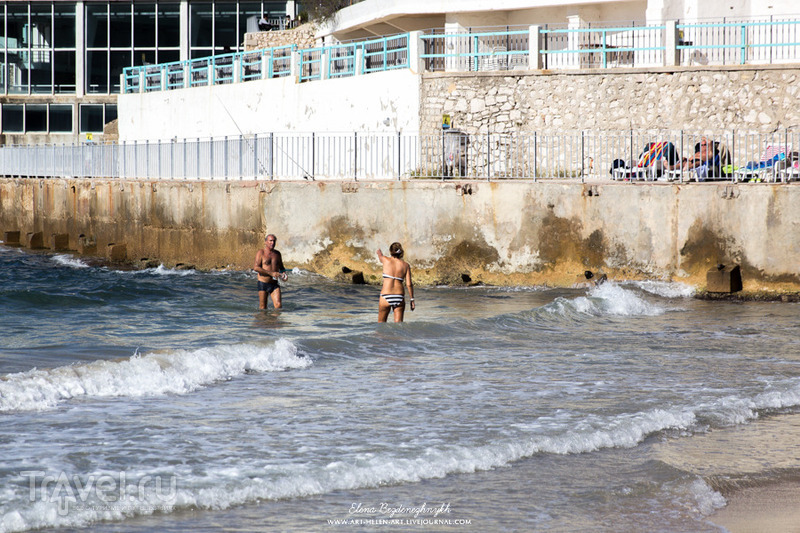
x,y
592,45
574,155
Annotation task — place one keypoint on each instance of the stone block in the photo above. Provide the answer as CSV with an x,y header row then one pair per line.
x,y
11,237
86,245
59,242
724,278
34,240
117,252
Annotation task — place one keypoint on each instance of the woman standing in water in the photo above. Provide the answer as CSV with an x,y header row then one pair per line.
x,y
395,272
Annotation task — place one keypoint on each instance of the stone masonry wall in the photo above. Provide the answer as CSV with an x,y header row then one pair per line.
x,y
752,98
302,36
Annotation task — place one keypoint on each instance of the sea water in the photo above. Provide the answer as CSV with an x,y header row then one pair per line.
x,y
165,400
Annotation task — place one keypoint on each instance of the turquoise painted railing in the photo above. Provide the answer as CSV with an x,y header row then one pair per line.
x,y
213,70
496,50
740,42
603,47
595,46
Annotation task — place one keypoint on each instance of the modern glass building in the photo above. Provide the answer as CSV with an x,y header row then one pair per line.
x,y
62,59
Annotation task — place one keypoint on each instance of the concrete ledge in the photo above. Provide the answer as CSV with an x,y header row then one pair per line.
x,y
86,245
34,240
117,252
59,242
11,238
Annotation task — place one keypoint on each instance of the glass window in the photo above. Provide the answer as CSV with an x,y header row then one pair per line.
x,y
144,57
96,25
169,30
249,13
97,71
168,56
64,26
144,19
17,24
120,23
225,26
64,71
13,118
60,118
111,112
36,117
119,62
18,71
201,24
92,118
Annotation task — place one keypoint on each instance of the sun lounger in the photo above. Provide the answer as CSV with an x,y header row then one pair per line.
x,y
654,159
766,169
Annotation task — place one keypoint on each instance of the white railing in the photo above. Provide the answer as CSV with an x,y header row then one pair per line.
x,y
578,155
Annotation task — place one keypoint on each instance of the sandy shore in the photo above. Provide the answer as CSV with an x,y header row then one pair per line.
x,y
772,509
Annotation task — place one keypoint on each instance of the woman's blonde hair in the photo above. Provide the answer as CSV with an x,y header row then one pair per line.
x,y
396,250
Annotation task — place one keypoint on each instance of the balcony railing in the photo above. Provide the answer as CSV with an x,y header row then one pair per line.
x,y
599,45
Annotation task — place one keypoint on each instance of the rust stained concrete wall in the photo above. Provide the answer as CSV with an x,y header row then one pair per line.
x,y
510,232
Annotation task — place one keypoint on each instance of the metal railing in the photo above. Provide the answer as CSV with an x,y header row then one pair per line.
x,y
604,47
595,45
731,42
574,155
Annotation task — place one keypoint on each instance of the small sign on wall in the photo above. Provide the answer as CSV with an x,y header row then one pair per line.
x,y
446,121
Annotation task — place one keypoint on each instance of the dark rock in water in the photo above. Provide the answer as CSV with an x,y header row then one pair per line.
x,y
356,277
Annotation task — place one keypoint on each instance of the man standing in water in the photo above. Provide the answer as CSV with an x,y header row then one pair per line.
x,y
269,266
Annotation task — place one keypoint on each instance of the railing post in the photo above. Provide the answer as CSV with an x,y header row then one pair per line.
x,y
743,40
324,67
535,165
355,155
225,158
444,158
211,169
488,157
399,157
255,156
241,156
583,152
358,62
672,55
313,154
534,46
294,66
266,63
236,65
416,46
271,156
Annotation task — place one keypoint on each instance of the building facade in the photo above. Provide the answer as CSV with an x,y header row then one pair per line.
x,y
62,59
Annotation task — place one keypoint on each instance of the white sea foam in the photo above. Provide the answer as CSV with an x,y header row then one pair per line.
x,y
161,270
222,487
70,261
666,289
606,299
174,372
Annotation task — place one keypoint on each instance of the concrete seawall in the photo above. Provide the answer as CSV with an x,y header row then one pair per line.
x,y
509,232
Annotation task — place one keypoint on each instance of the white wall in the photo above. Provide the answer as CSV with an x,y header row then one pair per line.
x,y
378,102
